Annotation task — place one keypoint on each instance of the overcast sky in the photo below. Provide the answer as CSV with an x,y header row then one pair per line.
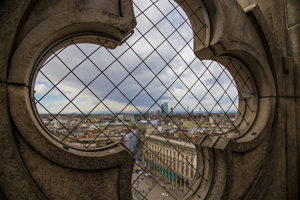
x,y
137,57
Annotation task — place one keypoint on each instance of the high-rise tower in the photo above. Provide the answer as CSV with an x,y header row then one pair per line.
x,y
166,109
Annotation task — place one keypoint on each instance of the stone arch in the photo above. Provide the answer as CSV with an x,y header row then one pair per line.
x,y
238,30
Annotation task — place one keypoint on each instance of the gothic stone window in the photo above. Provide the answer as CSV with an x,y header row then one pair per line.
x,y
152,92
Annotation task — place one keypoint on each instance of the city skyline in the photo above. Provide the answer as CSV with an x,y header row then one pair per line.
x,y
133,112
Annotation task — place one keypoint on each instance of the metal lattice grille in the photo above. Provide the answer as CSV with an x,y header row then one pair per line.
x,y
152,93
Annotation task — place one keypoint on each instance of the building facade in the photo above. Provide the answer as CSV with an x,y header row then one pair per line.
x,y
174,161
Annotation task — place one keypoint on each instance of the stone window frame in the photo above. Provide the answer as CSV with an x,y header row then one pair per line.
x,y
34,42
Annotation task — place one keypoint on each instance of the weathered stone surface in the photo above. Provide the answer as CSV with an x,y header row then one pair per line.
x,y
2,196
292,12
11,13
44,10
298,138
291,145
246,168
59,182
294,53
277,165
263,35
15,182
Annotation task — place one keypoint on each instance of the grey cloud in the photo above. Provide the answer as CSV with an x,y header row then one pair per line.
x,y
115,73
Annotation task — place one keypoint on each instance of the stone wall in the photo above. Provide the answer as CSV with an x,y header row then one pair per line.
x,y
263,163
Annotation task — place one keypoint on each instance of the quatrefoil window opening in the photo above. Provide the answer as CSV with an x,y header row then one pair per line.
x,y
151,93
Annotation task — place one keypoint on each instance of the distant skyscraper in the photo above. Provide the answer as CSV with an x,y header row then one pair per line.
x,y
166,108
158,112
171,111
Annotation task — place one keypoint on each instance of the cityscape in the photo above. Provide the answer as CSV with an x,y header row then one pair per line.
x,y
163,142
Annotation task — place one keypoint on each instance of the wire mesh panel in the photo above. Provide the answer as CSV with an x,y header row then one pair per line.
x,y
151,93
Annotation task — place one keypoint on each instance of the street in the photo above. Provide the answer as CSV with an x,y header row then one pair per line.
x,y
145,187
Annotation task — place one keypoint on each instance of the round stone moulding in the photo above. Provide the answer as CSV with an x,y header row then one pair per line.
x,y
247,97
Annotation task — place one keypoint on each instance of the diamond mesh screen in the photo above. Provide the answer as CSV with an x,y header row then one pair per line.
x,y
152,93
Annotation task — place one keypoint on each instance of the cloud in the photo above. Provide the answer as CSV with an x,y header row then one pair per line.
x,y
40,88
147,71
